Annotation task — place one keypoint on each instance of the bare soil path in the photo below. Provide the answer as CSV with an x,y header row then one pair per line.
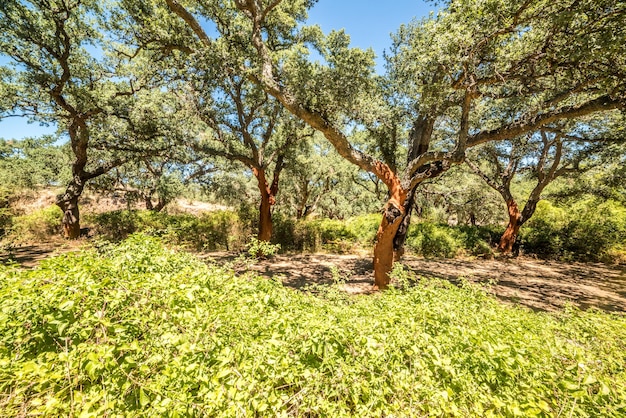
x,y
30,255
537,284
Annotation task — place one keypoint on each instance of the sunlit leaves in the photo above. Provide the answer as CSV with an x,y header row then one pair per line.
x,y
139,330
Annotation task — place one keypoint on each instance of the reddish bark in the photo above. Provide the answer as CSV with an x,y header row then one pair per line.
x,y
393,214
510,234
268,199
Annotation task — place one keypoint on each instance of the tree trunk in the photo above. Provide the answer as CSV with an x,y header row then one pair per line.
x,y
160,204
265,208
393,214
151,206
400,238
68,202
265,217
510,234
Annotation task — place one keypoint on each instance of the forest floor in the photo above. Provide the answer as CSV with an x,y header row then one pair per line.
x,y
537,284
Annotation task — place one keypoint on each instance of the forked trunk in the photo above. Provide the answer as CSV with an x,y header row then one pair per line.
x,y
155,208
400,238
71,220
510,234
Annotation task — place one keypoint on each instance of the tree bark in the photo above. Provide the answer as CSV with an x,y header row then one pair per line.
x,y
68,202
393,214
151,206
400,237
419,136
268,200
510,233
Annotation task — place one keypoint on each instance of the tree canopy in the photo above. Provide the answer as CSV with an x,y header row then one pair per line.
x,y
249,80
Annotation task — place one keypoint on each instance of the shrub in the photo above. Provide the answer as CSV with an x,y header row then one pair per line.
x,y
208,231
262,249
323,234
434,240
364,227
283,232
38,225
588,231
221,229
6,220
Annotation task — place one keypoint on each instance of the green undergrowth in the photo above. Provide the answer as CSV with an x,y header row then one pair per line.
x,y
37,225
589,230
135,329
218,230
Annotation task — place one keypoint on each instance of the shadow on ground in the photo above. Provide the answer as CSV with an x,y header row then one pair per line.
x,y
27,255
536,284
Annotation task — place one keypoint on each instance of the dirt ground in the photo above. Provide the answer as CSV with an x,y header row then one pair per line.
x,y
537,284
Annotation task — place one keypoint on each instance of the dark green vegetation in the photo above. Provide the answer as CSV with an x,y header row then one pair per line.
x,y
590,230
138,330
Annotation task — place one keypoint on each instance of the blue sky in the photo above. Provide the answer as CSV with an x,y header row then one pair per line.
x,y
369,24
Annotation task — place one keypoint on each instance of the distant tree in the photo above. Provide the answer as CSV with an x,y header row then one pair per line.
x,y
606,178
33,163
458,197
322,183
153,182
245,125
479,71
55,79
63,70
541,157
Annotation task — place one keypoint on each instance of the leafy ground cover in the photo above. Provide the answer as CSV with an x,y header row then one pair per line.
x,y
138,330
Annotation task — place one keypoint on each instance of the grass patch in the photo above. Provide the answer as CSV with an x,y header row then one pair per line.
x,y
137,330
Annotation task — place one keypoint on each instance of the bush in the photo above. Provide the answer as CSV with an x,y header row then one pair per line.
x,y
588,231
262,249
364,228
6,220
434,240
217,230
137,330
323,234
38,225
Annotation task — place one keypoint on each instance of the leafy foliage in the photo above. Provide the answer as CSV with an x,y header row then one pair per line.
x,y
262,249
138,330
37,225
32,163
219,230
589,230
